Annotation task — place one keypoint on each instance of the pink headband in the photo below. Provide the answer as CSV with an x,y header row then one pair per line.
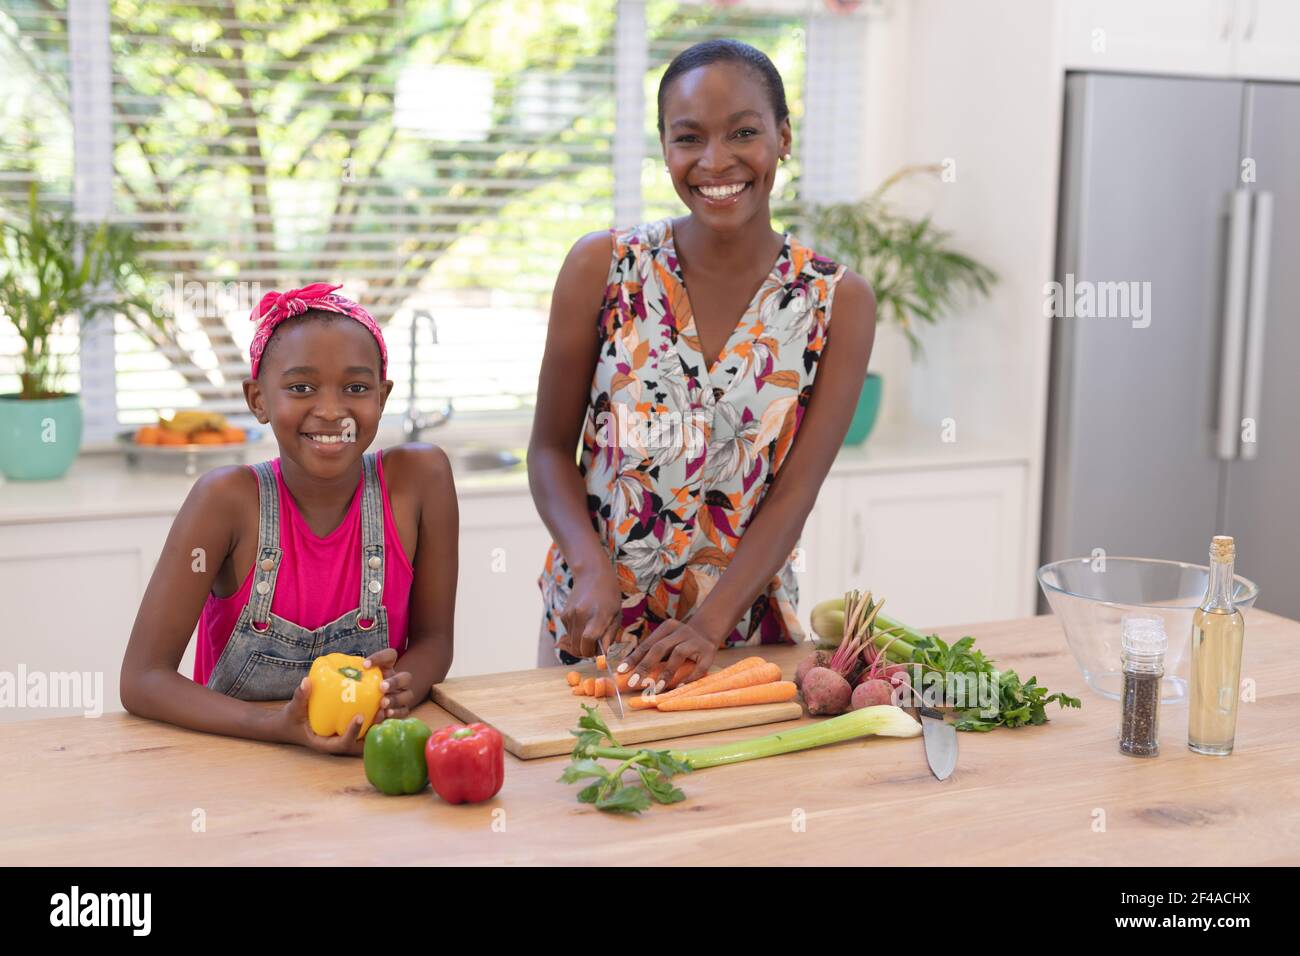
x,y
275,307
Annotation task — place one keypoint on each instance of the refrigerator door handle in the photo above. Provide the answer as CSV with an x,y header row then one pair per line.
x,y
1234,324
1261,239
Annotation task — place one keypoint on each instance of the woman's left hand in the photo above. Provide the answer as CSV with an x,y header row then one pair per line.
x,y
398,697
675,642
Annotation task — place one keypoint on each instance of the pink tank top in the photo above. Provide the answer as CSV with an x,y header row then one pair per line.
x,y
318,581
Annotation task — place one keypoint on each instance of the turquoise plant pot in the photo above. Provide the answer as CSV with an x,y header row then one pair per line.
x,y
39,439
864,416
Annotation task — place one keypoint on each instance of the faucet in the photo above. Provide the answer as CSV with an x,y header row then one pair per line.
x,y
413,423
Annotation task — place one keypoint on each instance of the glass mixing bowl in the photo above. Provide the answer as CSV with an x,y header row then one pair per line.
x,y
1091,595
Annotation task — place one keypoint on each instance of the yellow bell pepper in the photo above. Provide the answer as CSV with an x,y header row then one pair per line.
x,y
342,688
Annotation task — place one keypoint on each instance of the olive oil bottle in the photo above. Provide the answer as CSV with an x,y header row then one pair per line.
x,y
1217,633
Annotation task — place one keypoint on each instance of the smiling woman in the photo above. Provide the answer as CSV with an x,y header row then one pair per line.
x,y
712,328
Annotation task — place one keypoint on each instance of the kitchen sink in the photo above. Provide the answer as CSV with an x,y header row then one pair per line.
x,y
479,460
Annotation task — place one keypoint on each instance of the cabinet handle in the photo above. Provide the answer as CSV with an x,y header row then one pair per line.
x,y
1230,11
1250,26
1257,314
857,546
1234,325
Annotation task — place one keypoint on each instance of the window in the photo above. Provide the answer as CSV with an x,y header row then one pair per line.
x,y
437,157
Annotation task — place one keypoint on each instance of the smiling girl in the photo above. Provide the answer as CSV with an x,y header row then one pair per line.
x,y
684,354
325,549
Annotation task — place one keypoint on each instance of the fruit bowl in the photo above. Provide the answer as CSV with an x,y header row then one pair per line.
x,y
192,456
1092,595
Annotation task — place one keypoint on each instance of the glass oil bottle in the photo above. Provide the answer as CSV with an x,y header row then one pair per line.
x,y
1218,630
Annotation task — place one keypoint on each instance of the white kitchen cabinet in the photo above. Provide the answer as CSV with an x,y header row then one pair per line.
x,y
943,546
498,604
1267,41
1237,38
70,592
1153,36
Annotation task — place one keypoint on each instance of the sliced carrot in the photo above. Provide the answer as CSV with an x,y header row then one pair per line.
x,y
578,691
771,693
574,678
600,662
704,684
749,677
589,687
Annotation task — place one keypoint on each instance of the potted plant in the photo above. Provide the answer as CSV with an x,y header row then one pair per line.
x,y
52,268
915,274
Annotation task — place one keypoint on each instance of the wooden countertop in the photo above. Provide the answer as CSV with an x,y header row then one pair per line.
x,y
122,790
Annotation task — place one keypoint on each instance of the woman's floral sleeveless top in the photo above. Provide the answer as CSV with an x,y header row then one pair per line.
x,y
677,456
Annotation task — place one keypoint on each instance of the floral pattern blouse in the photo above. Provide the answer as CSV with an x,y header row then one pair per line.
x,y
677,456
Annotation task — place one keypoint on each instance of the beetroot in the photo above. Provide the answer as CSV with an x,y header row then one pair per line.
x,y
816,659
826,691
871,693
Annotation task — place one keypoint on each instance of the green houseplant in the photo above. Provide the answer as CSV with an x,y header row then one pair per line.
x,y
53,267
916,276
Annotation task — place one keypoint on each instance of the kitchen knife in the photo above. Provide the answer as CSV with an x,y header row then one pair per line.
x,y
611,663
940,742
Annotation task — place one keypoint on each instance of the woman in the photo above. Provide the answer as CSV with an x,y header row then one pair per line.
x,y
704,442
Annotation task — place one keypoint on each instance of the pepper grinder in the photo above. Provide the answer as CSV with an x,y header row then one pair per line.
x,y
1142,648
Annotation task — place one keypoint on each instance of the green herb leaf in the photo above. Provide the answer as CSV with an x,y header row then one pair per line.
x,y
625,800
580,769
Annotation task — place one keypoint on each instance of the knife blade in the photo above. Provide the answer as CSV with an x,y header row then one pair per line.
x,y
940,742
610,665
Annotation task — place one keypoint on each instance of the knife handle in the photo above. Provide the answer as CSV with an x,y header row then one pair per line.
x,y
930,712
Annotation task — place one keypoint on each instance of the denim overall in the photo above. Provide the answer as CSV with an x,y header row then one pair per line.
x,y
267,657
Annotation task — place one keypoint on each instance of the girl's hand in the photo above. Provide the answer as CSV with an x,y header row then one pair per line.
x,y
294,728
594,612
398,696
675,642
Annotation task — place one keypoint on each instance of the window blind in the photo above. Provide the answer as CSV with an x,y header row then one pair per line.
x,y
436,158
35,149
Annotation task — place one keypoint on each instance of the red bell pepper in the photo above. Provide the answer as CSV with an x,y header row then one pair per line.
x,y
466,764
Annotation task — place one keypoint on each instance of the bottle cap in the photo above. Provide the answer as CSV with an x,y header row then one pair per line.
x,y
1144,638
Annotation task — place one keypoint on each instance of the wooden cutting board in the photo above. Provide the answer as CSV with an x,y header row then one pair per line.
x,y
535,709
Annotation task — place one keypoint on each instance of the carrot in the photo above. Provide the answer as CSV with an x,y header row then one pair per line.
x,y
749,677
681,674
770,693
574,678
705,684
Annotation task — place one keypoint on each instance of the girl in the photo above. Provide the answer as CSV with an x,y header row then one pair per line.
x,y
324,549
699,340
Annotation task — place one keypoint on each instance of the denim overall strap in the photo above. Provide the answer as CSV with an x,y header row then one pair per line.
x,y
372,544
268,546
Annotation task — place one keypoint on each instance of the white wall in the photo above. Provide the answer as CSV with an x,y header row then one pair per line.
x,y
979,83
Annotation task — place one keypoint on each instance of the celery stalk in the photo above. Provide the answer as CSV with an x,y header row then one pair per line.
x,y
884,720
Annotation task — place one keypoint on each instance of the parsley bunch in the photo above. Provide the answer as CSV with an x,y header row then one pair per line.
x,y
1018,703
654,770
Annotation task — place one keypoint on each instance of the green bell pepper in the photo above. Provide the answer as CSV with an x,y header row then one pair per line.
x,y
394,756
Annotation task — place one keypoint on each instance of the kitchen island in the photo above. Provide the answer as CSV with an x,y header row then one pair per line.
x,y
120,790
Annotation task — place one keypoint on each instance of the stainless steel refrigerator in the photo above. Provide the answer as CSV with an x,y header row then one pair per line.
x,y
1192,186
